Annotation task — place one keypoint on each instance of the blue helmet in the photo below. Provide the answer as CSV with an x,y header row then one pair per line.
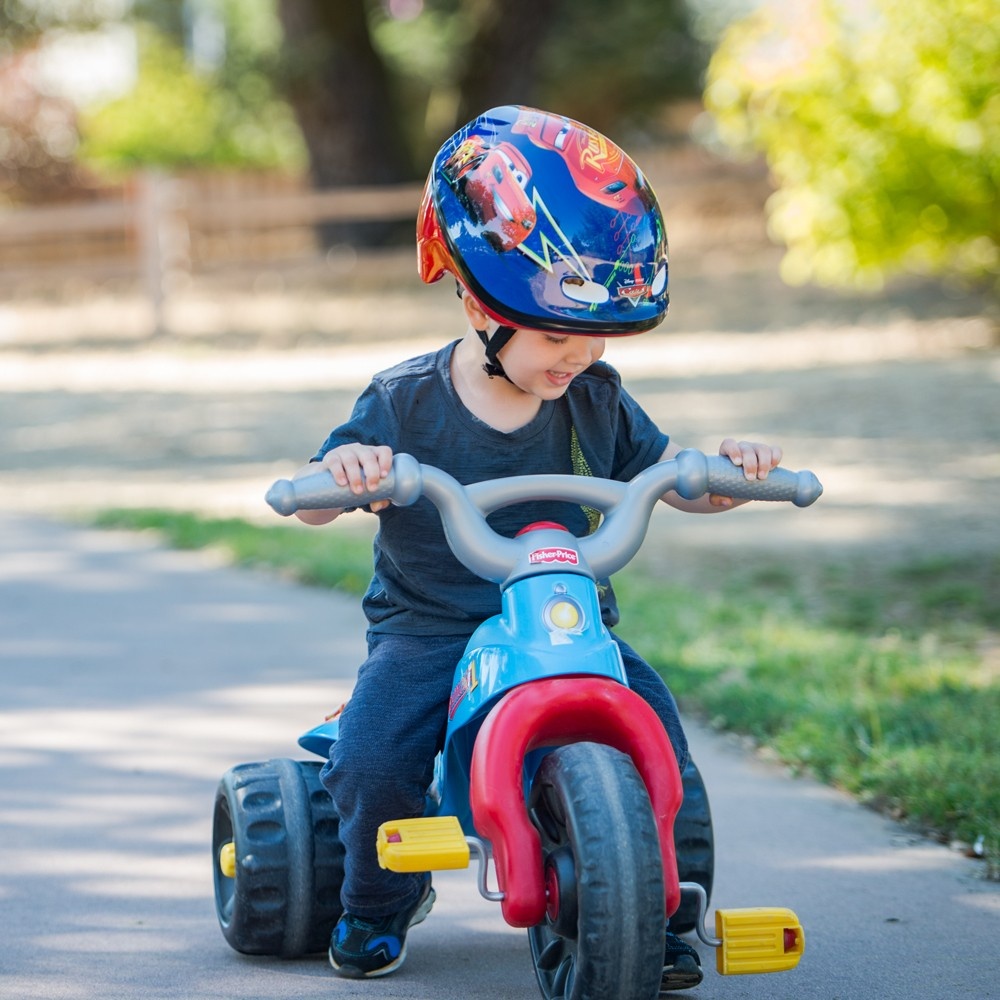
x,y
547,223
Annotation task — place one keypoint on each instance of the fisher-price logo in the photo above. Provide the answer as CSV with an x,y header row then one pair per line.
x,y
568,557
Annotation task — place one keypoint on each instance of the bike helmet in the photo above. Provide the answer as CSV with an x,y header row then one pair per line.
x,y
548,224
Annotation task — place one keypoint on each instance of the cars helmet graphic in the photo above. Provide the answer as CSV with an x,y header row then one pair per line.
x,y
547,223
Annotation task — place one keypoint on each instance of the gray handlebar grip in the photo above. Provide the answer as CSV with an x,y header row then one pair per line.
x,y
281,497
319,491
699,474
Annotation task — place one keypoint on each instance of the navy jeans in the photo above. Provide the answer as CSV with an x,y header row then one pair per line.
x,y
390,732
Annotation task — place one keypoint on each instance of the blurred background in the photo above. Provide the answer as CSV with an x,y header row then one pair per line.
x,y
207,247
170,138
207,212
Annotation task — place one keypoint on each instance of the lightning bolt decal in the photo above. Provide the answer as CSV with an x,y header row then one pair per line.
x,y
549,247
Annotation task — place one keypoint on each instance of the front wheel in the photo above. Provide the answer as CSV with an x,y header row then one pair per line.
x,y
602,935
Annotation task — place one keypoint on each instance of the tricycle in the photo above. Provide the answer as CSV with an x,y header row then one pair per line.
x,y
556,777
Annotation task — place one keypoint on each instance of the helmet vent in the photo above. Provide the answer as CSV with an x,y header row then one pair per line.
x,y
584,291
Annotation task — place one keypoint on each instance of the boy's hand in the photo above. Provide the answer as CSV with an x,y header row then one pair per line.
x,y
361,467
756,460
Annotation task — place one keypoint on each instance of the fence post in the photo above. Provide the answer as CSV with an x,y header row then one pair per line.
x,y
163,240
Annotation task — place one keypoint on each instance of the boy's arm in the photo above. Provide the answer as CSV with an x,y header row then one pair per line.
x,y
757,460
360,466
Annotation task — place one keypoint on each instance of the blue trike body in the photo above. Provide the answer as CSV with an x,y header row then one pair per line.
x,y
521,645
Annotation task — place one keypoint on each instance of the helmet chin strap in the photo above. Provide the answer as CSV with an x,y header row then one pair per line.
x,y
494,344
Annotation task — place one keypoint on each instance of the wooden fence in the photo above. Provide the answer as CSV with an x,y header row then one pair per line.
x,y
158,226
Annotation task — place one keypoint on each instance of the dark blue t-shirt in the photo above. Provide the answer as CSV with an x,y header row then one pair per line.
x,y
419,587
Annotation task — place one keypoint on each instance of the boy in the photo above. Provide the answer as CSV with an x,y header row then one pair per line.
x,y
556,242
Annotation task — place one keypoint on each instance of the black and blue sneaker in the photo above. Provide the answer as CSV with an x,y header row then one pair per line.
x,y
681,966
365,947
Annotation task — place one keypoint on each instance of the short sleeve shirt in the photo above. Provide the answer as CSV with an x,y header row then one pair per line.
x,y
419,587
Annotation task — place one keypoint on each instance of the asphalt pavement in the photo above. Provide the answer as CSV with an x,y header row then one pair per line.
x,y
132,677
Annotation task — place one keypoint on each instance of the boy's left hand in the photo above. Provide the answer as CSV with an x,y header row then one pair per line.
x,y
756,460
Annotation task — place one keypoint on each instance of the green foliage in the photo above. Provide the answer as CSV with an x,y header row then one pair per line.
x,y
895,704
613,68
178,117
881,125
328,559
23,22
421,54
898,704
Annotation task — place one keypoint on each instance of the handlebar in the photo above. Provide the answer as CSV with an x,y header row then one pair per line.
x,y
626,506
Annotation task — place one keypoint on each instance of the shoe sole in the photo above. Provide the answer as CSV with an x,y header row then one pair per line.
x,y
423,909
353,972
682,975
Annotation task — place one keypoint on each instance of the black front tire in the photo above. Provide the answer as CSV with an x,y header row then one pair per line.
x,y
284,897
694,842
603,932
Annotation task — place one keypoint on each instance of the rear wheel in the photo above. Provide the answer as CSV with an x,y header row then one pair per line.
x,y
694,843
281,892
603,932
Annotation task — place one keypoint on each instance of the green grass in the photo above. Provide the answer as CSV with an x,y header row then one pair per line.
x,y
880,679
324,559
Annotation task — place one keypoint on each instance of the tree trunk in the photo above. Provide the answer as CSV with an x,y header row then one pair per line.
x,y
339,89
502,61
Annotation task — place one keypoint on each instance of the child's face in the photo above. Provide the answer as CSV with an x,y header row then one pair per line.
x,y
544,364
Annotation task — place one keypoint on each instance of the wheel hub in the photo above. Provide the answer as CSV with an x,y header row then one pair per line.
x,y
561,910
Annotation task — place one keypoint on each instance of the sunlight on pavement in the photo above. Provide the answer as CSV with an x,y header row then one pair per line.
x,y
132,941
904,859
987,904
653,355
185,741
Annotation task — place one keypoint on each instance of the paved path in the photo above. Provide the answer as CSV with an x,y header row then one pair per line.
x,y
132,677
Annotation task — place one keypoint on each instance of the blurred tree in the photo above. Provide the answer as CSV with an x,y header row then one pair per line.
x,y
375,85
38,129
205,94
615,66
612,67
37,137
23,22
341,91
177,116
504,58
881,124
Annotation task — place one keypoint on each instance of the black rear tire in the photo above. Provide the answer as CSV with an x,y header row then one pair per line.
x,y
694,842
285,895
603,933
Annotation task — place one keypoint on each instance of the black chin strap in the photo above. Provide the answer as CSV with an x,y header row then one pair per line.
x,y
494,345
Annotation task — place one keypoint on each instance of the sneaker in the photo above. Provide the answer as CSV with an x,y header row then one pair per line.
x,y
364,947
681,966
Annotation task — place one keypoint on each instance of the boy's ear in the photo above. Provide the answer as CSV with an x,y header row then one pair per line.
x,y
474,312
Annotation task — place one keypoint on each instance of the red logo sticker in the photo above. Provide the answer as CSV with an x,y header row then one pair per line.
x,y
567,557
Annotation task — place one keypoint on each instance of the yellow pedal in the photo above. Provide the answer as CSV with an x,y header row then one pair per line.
x,y
758,939
428,843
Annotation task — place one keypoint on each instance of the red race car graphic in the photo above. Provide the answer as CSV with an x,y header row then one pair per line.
x,y
599,169
490,182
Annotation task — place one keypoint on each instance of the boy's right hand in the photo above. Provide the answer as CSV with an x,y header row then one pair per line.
x,y
359,466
